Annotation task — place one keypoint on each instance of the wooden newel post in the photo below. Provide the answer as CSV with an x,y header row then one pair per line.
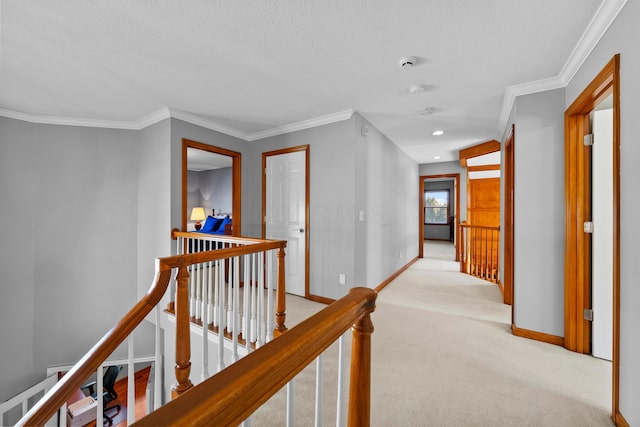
x,y
281,302
360,383
183,340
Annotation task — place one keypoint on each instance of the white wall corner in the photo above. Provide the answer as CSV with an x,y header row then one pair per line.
x,y
602,19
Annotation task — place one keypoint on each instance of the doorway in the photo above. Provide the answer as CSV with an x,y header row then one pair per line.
x,y
578,217
202,159
285,211
453,216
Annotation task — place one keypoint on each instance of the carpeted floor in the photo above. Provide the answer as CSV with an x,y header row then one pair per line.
x,y
443,355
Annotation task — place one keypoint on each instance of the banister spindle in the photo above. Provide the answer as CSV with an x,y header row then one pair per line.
x,y
281,304
183,344
360,384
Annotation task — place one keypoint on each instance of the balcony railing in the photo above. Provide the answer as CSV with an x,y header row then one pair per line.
x,y
235,392
479,251
173,274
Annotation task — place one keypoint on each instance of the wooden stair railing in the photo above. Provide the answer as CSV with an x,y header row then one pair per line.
x,y
232,395
49,404
480,251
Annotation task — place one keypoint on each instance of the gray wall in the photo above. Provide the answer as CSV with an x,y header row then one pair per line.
x,y
386,191
332,200
623,37
68,262
350,173
539,212
154,200
434,231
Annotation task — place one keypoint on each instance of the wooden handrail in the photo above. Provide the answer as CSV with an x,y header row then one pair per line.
x,y
233,394
46,407
480,227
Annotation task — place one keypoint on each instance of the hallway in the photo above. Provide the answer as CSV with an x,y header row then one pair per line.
x,y
443,355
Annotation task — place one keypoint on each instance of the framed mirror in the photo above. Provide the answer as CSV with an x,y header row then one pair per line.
x,y
210,180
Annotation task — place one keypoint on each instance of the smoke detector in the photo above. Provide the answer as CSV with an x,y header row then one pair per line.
x,y
407,62
426,111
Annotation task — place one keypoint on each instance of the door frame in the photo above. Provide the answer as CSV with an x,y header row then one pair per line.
x,y
577,334
456,177
509,215
266,154
236,183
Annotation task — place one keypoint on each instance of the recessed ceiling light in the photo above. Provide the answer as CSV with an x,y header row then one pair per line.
x,y
437,132
436,157
416,89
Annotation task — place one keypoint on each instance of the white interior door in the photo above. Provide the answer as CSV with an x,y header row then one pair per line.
x,y
285,217
602,247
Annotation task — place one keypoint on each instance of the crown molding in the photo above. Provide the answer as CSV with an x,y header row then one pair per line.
x,y
153,118
514,91
67,121
597,27
304,124
206,123
168,112
599,24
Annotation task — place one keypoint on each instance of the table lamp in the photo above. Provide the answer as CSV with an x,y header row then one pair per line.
x,y
197,215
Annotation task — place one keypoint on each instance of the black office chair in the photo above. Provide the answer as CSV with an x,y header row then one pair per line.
x,y
108,392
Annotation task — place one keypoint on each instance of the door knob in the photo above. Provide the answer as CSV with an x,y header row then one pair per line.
x,y
301,230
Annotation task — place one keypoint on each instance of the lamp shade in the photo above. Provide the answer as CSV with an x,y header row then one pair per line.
x,y
197,214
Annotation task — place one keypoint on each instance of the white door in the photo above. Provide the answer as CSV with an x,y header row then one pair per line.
x,y
285,217
602,247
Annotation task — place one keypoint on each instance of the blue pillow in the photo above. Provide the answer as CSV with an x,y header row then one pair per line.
x,y
224,222
211,224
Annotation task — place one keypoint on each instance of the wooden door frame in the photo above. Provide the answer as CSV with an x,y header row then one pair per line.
x,y
456,177
577,333
509,216
266,154
236,183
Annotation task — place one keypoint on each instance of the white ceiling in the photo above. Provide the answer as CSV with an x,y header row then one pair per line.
x,y
253,69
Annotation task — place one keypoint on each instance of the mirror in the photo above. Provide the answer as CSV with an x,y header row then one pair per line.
x,y
211,180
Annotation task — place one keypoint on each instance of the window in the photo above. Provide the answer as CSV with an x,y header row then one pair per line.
x,y
436,207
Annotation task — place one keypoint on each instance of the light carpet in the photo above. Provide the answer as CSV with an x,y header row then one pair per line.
x,y
443,355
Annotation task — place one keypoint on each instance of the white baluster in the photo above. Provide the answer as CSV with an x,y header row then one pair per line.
x,y
221,315
261,323
254,299
236,306
230,299
131,382
157,383
99,386
192,297
216,294
271,313
205,328
291,400
197,282
340,401
210,272
319,380
246,311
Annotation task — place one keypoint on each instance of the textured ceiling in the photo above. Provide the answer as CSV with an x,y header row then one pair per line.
x,y
254,66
